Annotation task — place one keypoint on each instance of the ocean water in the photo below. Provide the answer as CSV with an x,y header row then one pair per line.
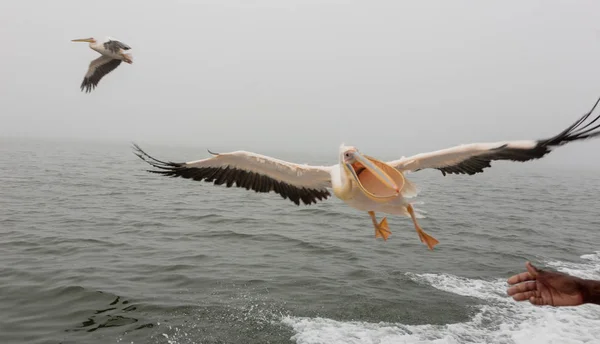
x,y
93,249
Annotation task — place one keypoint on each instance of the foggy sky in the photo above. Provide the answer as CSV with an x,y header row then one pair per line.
x,y
393,78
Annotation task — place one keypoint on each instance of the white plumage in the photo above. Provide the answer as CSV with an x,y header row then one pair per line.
x,y
449,157
311,177
363,182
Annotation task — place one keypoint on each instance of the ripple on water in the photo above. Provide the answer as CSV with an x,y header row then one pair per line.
x,y
138,258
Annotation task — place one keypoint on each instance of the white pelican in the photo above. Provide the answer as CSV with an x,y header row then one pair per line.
x,y
361,181
112,51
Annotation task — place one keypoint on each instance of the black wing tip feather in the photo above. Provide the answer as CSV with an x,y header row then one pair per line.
x,y
90,83
165,166
87,85
580,130
233,176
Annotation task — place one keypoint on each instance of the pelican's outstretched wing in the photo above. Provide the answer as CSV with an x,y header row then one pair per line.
x,y
97,70
252,171
115,46
473,158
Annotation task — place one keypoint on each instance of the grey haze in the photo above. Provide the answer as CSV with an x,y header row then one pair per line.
x,y
391,77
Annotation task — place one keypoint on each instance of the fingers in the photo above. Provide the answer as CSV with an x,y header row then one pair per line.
x,y
529,275
538,301
528,290
532,269
522,288
528,295
522,277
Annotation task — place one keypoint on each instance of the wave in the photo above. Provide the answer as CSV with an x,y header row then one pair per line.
x,y
498,319
589,268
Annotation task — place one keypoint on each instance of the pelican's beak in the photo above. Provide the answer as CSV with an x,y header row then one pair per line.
x,y
89,40
377,172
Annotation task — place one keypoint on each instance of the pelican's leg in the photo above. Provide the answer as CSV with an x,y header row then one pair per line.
x,y
381,230
425,238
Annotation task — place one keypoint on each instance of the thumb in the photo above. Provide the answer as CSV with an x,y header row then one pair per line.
x,y
533,271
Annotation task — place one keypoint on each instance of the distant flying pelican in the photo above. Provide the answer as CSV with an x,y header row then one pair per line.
x,y
112,51
361,181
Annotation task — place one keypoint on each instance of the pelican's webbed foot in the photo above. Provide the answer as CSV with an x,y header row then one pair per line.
x,y
381,229
425,238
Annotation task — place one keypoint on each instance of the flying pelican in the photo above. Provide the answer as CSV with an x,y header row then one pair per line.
x,y
112,51
363,182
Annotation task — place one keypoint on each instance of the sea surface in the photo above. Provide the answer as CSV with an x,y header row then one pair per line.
x,y
93,249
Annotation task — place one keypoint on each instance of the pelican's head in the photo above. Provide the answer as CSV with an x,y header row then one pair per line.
x,y
375,178
88,40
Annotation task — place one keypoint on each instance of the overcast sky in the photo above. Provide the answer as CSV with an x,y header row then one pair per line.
x,y
391,77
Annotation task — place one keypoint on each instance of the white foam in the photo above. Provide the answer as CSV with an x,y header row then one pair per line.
x,y
499,319
589,269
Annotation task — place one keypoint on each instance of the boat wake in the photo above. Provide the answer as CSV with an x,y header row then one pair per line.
x,y
498,319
